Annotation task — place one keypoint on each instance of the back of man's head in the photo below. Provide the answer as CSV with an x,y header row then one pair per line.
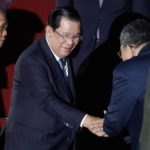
x,y
135,33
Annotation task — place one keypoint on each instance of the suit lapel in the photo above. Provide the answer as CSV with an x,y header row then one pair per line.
x,y
70,78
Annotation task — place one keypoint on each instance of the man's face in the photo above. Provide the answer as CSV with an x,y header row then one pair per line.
x,y
65,38
3,26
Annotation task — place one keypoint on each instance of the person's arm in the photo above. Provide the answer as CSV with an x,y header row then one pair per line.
x,y
35,78
41,86
121,105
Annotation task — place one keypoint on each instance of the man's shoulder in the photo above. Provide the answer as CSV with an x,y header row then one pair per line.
x,y
31,52
127,67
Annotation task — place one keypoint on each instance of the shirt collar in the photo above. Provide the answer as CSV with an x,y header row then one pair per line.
x,y
56,57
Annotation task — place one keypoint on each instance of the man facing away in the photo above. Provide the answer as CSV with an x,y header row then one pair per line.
x,y
43,115
125,111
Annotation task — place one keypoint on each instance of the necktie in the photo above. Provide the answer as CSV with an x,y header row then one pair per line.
x,y
98,32
62,63
64,67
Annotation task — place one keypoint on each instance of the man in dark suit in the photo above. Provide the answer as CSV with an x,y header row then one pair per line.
x,y
42,113
145,132
125,111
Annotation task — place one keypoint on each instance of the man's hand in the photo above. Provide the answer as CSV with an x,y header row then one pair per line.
x,y
94,125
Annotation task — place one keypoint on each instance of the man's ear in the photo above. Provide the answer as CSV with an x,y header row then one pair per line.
x,y
48,30
131,50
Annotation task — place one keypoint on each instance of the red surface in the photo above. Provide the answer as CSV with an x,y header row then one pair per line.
x,y
41,8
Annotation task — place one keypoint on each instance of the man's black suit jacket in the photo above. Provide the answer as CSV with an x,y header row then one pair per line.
x,y
42,114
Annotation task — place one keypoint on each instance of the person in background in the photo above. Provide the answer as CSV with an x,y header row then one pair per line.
x,y
3,5
125,111
145,131
3,34
43,113
3,27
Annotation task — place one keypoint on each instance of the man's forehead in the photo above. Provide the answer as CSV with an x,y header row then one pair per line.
x,y
63,19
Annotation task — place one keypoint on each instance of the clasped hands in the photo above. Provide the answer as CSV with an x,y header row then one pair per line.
x,y
95,125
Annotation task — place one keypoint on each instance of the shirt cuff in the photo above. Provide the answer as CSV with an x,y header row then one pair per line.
x,y
82,121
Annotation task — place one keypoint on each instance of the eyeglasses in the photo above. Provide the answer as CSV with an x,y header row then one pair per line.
x,y
67,37
119,54
3,27
122,47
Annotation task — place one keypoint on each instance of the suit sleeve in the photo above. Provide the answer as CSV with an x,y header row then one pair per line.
x,y
122,103
64,3
35,79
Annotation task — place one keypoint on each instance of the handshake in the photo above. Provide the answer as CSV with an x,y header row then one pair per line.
x,y
94,125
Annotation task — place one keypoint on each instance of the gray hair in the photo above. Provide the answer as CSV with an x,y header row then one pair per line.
x,y
135,33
